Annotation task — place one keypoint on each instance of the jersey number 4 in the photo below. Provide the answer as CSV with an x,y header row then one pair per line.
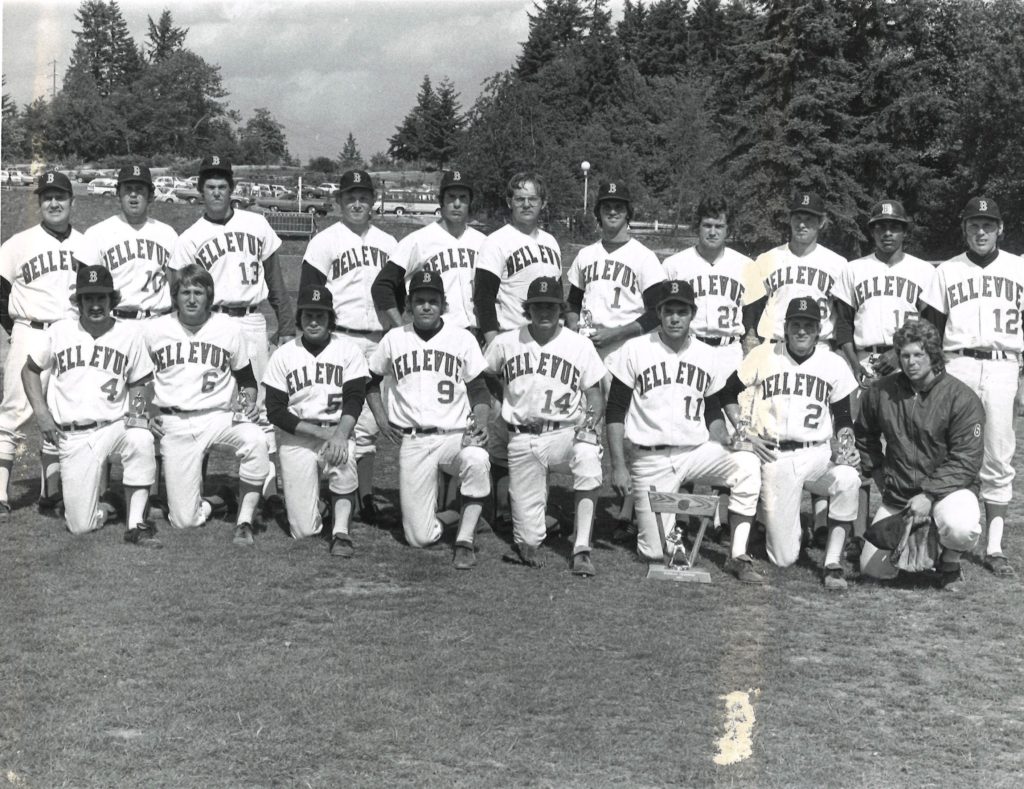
x,y
110,389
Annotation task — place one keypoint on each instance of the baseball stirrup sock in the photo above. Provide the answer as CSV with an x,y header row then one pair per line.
x,y
740,536
836,541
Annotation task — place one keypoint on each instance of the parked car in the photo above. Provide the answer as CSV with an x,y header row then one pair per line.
x,y
86,175
18,178
164,182
188,194
327,190
408,201
103,186
164,194
270,203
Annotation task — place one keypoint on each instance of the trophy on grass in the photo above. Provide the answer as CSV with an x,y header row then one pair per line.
x,y
136,416
585,327
243,402
587,432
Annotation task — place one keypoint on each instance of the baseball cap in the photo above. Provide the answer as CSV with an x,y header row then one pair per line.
x,y
613,190
677,290
808,202
52,179
544,290
314,297
803,307
355,179
981,206
134,173
888,210
454,178
93,279
425,279
215,164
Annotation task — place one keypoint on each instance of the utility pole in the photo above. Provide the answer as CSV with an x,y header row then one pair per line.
x,y
53,90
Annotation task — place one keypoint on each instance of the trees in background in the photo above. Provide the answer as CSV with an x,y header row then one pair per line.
x,y
429,132
350,158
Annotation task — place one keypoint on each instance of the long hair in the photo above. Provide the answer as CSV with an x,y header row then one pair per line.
x,y
519,180
926,335
193,274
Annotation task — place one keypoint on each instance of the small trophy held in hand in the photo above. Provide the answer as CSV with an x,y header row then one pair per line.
x,y
472,436
870,365
744,429
587,432
846,449
586,324
136,416
243,402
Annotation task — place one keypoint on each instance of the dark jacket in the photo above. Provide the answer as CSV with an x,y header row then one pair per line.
x,y
934,440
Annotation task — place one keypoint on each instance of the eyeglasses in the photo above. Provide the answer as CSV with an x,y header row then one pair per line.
x,y
521,201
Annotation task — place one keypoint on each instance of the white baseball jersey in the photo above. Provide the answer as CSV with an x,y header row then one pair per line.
x,y
791,401
137,260
517,259
983,304
313,383
720,288
782,276
544,382
193,368
233,252
613,284
41,271
89,377
435,249
883,297
351,263
669,388
429,376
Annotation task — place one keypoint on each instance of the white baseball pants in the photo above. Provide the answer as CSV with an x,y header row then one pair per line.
x,y
301,467
15,410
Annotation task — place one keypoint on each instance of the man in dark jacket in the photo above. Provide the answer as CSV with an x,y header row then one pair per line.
x,y
933,426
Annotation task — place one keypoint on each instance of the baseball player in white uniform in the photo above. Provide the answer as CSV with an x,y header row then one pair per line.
x,y
975,303
662,399
239,249
437,370
37,277
315,386
547,372
96,364
801,390
448,246
202,365
877,294
801,268
346,259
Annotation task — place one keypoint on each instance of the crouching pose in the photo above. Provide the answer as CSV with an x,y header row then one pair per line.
x,y
437,381
662,398
546,371
801,390
97,366
933,426
315,387
206,393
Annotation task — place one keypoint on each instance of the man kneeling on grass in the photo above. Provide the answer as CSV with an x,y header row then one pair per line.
x,y
933,426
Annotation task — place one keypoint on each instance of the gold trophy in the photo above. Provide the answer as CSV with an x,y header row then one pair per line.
x,y
585,327
587,432
243,402
674,544
136,416
744,429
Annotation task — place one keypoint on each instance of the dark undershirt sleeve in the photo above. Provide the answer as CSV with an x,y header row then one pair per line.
x,y
841,413
752,314
373,385
277,410
936,319
353,394
244,377
844,322
649,320
5,303
729,394
712,409
387,287
478,392
575,299
619,398
485,300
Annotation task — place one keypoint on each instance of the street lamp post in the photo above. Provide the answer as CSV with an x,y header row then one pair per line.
x,y
585,167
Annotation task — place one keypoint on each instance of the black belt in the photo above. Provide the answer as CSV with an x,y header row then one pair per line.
x,y
976,354
789,446
540,427
653,448
358,331
425,431
716,341
235,312
133,314
876,348
71,427
38,324
173,409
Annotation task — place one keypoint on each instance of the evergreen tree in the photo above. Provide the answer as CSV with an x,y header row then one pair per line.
x,y
411,137
262,140
448,120
13,135
555,26
163,38
350,158
322,164
104,50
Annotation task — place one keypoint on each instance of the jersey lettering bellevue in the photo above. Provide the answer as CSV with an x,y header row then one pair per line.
x,y
517,259
791,399
983,304
613,284
314,383
194,368
544,382
720,290
90,376
429,376
137,260
669,390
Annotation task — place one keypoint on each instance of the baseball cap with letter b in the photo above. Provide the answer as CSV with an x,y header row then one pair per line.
x,y
981,206
612,190
315,297
452,178
134,174
803,307
355,179
888,211
677,290
93,279
52,179
425,279
808,203
215,164
544,290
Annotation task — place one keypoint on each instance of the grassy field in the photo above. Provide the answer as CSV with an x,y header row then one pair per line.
x,y
205,664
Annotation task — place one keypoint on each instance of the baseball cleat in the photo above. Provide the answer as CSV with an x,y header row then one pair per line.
x,y
999,565
951,577
51,506
582,566
465,556
368,511
143,535
243,534
115,504
5,510
832,577
625,531
747,571
524,554
341,545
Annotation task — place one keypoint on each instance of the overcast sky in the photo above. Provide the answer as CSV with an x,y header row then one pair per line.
x,y
321,68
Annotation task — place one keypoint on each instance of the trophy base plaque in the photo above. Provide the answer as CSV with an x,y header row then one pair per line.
x,y
137,421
